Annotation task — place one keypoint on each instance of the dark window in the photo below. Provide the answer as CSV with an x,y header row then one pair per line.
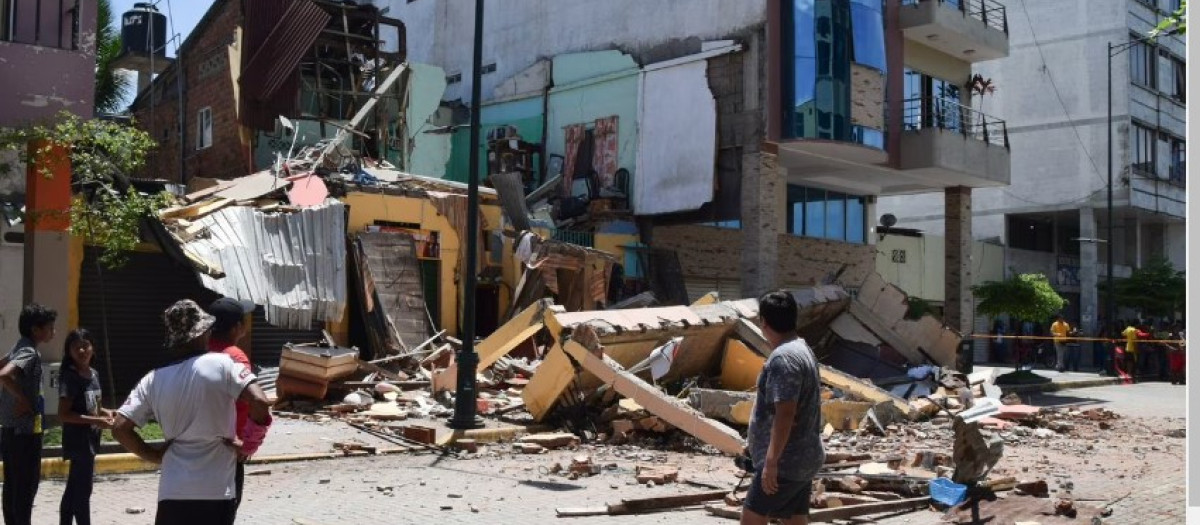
x,y
1026,233
488,68
931,102
1142,156
1142,61
1178,172
814,212
1179,74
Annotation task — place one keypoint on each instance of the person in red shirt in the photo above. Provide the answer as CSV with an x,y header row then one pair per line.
x,y
229,328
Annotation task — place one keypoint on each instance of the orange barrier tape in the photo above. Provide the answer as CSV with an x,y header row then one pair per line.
x,y
1047,337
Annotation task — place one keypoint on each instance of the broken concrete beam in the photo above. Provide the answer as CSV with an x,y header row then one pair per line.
x,y
844,415
722,404
668,408
857,388
886,333
516,331
552,441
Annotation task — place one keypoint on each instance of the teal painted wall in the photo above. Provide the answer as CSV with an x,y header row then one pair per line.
x,y
610,89
523,114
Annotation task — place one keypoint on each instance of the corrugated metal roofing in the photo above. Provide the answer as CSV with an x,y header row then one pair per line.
x,y
292,264
281,51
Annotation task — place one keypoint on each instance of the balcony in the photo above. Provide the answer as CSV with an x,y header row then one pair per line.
x,y
950,144
970,30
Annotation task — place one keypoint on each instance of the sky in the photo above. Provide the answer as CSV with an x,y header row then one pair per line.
x,y
184,14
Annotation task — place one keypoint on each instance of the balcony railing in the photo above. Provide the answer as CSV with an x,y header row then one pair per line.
x,y
989,12
947,114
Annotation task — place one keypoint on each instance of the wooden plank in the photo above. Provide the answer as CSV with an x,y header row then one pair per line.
x,y
516,331
198,209
837,513
668,408
670,502
545,387
580,512
885,332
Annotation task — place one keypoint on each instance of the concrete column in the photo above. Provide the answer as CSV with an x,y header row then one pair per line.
x,y
1089,278
959,313
1133,242
47,241
764,201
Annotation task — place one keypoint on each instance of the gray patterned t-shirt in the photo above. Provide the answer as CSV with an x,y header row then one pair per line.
x,y
790,374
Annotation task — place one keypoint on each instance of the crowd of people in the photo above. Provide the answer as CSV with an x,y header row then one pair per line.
x,y
1137,348
213,415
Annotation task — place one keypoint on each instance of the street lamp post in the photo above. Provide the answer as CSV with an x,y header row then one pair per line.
x,y
464,401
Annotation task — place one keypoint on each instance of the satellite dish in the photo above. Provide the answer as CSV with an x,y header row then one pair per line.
x,y
887,220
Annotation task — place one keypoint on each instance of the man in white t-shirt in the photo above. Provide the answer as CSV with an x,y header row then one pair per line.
x,y
192,398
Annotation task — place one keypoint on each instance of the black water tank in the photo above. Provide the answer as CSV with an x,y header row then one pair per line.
x,y
143,30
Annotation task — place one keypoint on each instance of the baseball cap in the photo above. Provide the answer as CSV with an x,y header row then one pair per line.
x,y
228,312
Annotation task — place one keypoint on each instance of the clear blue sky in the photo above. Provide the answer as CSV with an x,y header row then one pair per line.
x,y
182,14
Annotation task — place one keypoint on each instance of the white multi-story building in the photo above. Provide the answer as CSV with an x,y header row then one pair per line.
x,y
1052,91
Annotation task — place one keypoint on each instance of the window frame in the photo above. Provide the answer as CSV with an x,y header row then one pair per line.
x,y
1137,132
1143,57
809,208
204,137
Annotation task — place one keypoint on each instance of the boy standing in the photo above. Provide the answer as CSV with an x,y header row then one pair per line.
x,y
21,410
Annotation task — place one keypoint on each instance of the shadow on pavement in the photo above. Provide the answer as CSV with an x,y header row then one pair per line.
x,y
1057,400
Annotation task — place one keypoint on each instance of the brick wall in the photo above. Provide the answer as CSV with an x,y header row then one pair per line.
x,y
716,253
209,83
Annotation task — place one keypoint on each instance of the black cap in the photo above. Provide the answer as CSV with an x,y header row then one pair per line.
x,y
229,312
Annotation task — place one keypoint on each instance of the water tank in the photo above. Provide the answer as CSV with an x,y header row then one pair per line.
x,y
143,31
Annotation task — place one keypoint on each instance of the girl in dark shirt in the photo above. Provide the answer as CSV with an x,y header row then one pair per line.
x,y
83,418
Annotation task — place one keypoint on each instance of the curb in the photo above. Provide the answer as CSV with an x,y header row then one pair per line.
x,y
1054,387
126,463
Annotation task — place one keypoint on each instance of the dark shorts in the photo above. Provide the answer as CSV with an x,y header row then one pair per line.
x,y
791,499
195,512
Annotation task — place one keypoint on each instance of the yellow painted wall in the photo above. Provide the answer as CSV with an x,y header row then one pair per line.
x,y
614,243
366,208
922,274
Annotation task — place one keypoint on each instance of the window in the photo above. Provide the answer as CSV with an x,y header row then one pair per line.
x,y
1178,87
931,102
1142,61
1178,171
488,68
735,224
1142,157
814,212
454,78
204,128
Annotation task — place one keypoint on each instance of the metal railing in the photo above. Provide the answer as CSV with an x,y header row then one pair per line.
x,y
990,12
947,114
578,238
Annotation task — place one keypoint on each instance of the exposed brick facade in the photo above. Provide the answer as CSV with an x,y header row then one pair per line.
x,y
959,311
209,82
709,252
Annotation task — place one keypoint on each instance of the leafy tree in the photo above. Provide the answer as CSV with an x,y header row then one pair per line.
x,y
1175,23
1155,289
108,211
110,84
1025,296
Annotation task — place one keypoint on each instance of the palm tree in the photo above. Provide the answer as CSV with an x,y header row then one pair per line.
x,y
110,84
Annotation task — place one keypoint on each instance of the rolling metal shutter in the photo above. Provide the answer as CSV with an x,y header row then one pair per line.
x,y
267,340
728,289
134,296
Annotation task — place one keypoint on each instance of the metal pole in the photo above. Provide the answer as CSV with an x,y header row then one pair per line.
x,y
1112,298
464,402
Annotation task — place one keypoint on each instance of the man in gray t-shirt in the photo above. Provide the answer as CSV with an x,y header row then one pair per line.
x,y
785,435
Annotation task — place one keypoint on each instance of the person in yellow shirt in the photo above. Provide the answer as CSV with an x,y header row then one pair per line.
x,y
1131,334
1060,329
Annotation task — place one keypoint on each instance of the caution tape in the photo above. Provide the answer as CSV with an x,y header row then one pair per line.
x,y
1050,337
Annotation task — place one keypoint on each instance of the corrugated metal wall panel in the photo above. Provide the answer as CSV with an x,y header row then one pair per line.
x,y
267,340
134,296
